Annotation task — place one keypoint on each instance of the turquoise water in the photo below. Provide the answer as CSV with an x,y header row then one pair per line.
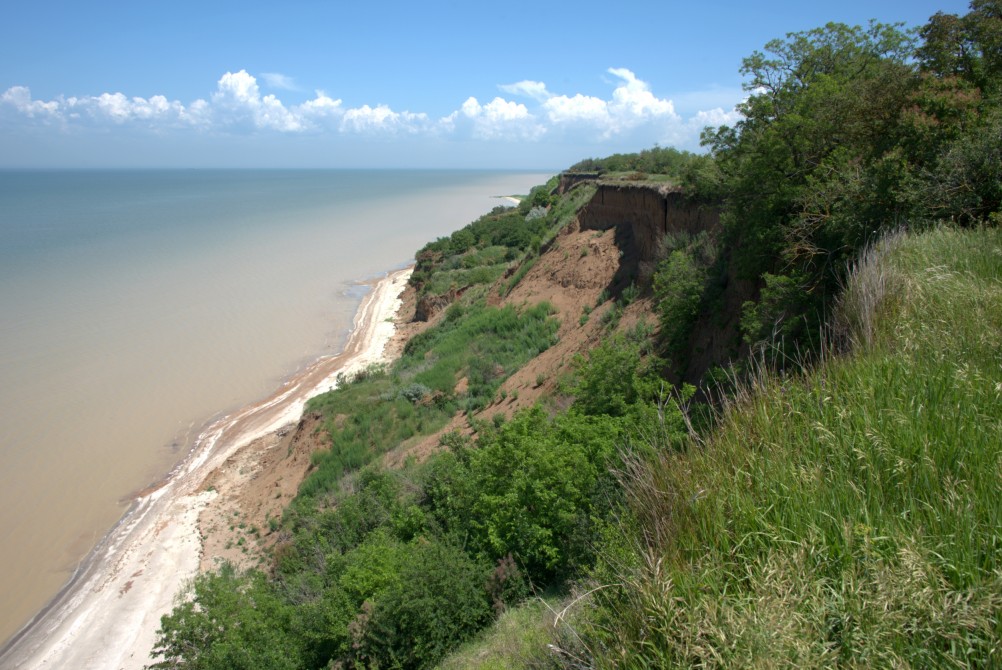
x,y
137,305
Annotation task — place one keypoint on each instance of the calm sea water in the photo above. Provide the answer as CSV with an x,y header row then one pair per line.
x,y
136,305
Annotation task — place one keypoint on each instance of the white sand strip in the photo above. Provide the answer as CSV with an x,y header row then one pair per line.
x,y
108,615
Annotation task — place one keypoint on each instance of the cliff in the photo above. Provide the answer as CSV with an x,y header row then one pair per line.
x,y
641,215
647,212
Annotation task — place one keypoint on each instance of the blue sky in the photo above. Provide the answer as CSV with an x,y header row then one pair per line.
x,y
382,84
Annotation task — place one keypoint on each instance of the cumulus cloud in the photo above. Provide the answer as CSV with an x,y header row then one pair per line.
x,y
238,101
633,99
632,105
561,109
237,105
321,107
499,119
382,120
114,108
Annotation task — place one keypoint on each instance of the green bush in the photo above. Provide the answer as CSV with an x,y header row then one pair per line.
x,y
530,490
229,621
678,290
782,317
438,602
609,380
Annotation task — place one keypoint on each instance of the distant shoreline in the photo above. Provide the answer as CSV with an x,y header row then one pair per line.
x,y
108,612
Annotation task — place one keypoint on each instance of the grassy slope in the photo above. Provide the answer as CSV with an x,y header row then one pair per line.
x,y
848,516
852,515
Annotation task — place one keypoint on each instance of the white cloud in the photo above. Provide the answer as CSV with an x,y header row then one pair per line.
x,y
561,109
321,106
632,106
715,117
120,109
115,108
630,112
533,89
238,101
382,120
19,97
633,99
500,119
280,81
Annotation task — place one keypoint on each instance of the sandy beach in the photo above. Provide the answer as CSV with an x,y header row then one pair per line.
x,y
108,613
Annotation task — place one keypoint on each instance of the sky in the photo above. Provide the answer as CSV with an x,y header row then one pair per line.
x,y
383,84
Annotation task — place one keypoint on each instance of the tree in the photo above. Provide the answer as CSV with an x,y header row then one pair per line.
x,y
438,601
228,622
968,47
809,173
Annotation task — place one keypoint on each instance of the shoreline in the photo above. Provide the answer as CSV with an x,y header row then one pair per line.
x,y
108,612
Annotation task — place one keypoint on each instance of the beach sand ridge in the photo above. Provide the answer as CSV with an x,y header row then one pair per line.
x,y
108,615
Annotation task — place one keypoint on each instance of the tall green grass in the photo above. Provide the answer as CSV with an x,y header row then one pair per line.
x,y
516,641
382,408
848,516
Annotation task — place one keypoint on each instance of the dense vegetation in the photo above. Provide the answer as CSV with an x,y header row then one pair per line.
x,y
659,163
395,568
850,133
839,507
484,250
845,517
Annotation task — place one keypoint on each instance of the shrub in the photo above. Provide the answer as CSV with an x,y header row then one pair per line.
x,y
782,314
678,289
230,621
630,294
415,393
438,602
530,489
608,380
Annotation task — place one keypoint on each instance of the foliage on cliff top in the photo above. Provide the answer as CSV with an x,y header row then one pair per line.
x,y
658,161
484,250
849,132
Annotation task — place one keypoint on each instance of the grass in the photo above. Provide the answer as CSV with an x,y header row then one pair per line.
x,y
516,641
445,280
848,516
484,344
635,176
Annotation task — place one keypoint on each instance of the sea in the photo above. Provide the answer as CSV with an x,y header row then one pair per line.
x,y
138,305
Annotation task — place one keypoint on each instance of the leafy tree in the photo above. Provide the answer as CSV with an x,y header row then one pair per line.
x,y
532,490
968,47
438,601
814,170
612,378
678,289
228,622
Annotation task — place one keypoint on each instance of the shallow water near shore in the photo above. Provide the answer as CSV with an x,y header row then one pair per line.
x,y
137,305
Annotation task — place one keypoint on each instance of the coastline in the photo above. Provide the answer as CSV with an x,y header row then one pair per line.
x,y
108,613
